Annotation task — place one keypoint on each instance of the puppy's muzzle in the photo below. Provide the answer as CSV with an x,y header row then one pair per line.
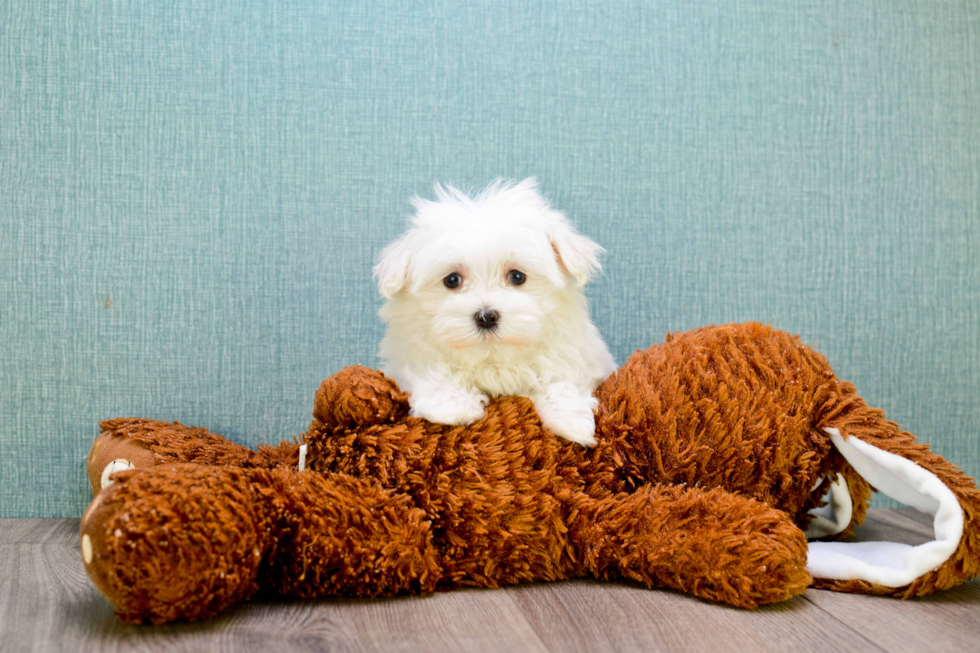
x,y
486,319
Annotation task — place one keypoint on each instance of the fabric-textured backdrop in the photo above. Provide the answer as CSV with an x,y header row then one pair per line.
x,y
192,193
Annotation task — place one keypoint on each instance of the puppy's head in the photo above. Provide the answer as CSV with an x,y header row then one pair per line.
x,y
484,271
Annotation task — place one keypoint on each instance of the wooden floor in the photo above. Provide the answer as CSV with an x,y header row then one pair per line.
x,y
48,604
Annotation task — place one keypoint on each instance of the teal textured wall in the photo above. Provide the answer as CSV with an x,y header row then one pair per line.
x,y
191,193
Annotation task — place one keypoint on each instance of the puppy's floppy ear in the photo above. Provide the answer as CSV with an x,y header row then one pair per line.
x,y
391,270
576,253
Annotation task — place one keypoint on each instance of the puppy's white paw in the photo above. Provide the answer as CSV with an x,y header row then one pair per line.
x,y
578,427
449,405
568,413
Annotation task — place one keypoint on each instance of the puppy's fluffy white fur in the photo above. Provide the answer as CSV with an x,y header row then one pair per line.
x,y
543,345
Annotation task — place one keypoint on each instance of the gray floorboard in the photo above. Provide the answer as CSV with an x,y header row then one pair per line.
x,y
48,604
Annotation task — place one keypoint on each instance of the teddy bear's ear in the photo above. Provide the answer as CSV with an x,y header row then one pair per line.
x,y
577,254
910,473
391,270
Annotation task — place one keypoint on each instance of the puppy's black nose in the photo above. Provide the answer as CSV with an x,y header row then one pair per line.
x,y
486,318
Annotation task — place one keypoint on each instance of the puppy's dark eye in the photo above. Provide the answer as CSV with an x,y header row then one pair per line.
x,y
516,277
452,281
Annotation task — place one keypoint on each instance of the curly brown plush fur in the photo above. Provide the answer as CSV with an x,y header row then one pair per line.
x,y
709,446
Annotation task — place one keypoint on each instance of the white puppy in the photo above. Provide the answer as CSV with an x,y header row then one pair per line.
x,y
484,299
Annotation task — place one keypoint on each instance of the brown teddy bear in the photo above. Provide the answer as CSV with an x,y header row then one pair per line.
x,y
719,452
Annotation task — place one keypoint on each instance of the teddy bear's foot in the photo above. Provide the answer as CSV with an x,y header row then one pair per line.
x,y
185,541
917,478
710,543
175,541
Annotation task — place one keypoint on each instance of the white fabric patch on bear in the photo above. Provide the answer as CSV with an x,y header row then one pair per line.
x,y
889,563
117,465
833,517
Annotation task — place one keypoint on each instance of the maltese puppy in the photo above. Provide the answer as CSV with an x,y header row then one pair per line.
x,y
484,300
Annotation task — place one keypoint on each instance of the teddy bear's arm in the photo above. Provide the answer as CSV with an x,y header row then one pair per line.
x,y
354,396
707,542
358,396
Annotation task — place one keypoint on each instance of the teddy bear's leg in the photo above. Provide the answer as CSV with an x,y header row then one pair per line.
x,y
892,461
185,541
131,443
347,536
707,542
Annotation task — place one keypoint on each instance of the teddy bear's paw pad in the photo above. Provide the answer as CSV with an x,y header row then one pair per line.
x,y
891,564
117,465
87,548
